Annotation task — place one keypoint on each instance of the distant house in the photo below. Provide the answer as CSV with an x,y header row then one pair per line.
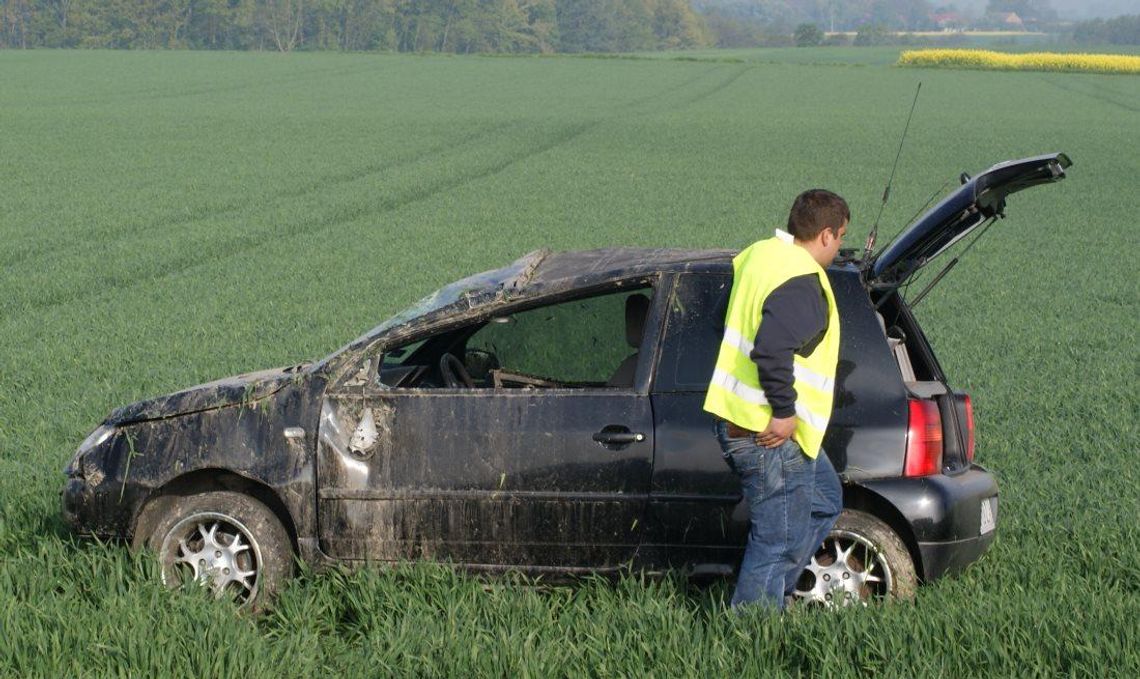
x,y
1009,21
948,21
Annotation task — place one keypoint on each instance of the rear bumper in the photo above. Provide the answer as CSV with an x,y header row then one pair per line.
x,y
948,558
945,516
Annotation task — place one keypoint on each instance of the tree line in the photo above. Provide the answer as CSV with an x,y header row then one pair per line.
x,y
457,26
1122,30
778,17
496,26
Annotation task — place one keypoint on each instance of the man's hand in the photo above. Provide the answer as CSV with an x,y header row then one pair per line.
x,y
777,431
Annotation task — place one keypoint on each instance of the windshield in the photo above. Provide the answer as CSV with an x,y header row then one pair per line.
x,y
474,290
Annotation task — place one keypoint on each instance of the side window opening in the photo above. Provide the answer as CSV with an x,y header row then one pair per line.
x,y
402,355
402,365
590,342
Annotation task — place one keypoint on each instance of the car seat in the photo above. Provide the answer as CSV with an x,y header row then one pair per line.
x,y
636,310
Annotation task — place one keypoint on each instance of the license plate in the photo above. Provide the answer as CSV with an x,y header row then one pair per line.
x,y
989,514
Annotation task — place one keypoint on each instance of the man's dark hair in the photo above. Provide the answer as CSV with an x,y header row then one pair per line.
x,y
814,211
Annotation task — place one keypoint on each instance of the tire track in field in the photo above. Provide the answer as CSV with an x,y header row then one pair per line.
x,y
649,98
724,84
64,246
118,281
1092,95
57,249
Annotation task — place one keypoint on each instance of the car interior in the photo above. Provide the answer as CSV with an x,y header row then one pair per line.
x,y
589,342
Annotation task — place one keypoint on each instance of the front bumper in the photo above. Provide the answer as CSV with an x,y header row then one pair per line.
x,y
71,501
950,529
97,508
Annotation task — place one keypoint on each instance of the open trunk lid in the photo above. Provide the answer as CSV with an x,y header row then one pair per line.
x,y
978,199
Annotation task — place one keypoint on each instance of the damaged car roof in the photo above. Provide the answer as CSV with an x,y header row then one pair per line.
x,y
540,273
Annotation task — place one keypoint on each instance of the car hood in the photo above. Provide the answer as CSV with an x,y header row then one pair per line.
x,y
978,199
217,394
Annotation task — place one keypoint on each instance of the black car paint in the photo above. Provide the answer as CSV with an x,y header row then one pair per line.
x,y
955,216
282,435
209,439
662,502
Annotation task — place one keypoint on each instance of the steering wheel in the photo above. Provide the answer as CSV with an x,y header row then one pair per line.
x,y
453,372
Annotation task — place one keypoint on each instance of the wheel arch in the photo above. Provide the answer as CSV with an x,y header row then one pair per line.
x,y
866,500
206,480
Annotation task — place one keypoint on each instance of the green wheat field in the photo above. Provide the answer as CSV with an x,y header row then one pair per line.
x,y
168,218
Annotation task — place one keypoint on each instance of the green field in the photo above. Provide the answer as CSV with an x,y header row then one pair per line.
x,y
169,218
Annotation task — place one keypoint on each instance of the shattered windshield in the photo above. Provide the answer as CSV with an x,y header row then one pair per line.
x,y
473,288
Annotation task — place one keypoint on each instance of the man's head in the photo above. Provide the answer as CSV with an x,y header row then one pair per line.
x,y
818,222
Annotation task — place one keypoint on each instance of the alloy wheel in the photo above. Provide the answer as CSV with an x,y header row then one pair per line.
x,y
215,551
847,569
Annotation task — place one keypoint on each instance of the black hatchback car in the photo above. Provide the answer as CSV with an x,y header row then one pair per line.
x,y
546,417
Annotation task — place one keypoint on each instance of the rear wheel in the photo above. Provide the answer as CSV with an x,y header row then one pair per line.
x,y
862,560
223,540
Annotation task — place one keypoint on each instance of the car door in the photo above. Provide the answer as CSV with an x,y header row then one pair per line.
x,y
695,514
539,463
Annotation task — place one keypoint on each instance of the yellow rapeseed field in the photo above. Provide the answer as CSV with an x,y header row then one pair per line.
x,y
1031,61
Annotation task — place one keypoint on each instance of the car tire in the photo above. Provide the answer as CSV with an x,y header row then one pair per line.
x,y
861,561
227,541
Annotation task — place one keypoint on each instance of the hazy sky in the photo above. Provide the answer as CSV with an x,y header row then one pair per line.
x,y
1068,9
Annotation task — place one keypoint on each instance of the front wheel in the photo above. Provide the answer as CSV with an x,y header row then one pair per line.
x,y
223,540
862,560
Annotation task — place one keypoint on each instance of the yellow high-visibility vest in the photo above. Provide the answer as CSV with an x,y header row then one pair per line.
x,y
734,392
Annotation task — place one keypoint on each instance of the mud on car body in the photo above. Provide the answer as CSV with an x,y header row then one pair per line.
x,y
547,417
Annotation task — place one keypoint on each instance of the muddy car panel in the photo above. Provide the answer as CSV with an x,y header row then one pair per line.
x,y
242,445
527,478
368,454
560,477
484,478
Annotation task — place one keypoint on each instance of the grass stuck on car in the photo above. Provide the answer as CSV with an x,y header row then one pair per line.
x,y
546,417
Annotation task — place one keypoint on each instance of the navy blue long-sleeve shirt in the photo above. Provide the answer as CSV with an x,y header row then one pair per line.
x,y
793,321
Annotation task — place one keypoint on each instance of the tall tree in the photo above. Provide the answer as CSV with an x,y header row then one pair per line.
x,y
15,17
675,25
283,21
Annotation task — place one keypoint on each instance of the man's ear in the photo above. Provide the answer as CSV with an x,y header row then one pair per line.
x,y
826,236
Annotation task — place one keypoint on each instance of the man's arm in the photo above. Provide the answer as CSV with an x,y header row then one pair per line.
x,y
794,319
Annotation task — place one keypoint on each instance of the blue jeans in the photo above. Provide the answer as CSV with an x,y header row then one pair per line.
x,y
793,501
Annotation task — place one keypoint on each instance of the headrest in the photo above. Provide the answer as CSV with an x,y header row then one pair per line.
x,y
636,309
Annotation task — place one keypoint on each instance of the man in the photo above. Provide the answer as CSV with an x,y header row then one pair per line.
x,y
772,391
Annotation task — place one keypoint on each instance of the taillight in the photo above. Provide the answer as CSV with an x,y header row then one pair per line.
x,y
923,439
969,430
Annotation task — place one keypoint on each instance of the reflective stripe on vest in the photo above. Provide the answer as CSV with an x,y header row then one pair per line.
x,y
734,392
756,396
732,337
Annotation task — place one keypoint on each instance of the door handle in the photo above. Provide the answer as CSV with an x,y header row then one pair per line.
x,y
616,437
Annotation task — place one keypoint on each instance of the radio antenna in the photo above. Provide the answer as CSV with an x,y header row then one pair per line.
x,y
887,191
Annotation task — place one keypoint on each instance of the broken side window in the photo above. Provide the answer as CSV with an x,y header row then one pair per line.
x,y
590,342
402,366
